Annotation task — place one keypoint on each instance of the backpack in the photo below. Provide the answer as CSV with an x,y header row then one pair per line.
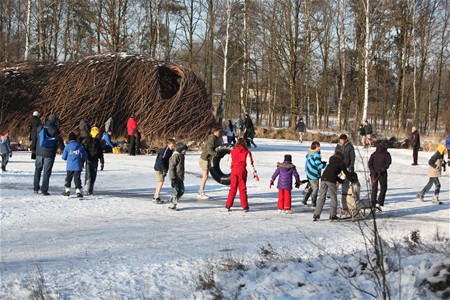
x,y
45,140
91,148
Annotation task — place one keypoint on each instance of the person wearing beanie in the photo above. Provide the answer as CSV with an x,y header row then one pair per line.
x,y
45,154
240,157
313,169
75,155
176,174
346,148
436,165
285,171
35,123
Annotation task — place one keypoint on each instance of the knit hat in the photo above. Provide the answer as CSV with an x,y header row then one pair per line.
x,y
180,147
343,137
287,157
36,114
441,149
72,136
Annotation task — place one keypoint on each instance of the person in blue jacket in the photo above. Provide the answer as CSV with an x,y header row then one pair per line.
x,y
447,144
75,155
313,168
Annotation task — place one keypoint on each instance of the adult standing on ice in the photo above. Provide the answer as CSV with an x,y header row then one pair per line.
x,y
240,157
379,162
301,128
415,143
209,151
348,151
435,165
45,157
35,123
285,170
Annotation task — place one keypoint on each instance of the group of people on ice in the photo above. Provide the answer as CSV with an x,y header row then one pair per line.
x,y
323,178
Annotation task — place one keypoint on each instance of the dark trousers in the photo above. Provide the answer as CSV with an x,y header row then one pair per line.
x,y
382,179
76,175
90,176
132,145
415,154
43,164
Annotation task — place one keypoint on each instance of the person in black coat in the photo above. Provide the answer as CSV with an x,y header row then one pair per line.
x,y
348,151
35,123
45,156
329,180
379,162
415,143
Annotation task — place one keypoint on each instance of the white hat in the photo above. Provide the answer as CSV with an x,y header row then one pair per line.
x,y
36,114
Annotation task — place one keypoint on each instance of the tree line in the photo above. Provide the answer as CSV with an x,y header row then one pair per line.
x,y
333,62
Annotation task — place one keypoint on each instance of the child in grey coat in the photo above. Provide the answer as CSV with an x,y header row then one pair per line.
x,y
5,150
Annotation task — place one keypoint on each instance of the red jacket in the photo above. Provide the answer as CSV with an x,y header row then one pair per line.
x,y
132,127
240,157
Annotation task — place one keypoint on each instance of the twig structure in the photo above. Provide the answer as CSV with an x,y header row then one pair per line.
x,y
166,99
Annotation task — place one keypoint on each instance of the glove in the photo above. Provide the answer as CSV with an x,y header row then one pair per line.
x,y
10,155
270,184
102,165
324,164
297,184
444,165
173,182
255,175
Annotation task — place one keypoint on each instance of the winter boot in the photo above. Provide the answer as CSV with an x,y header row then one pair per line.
x,y
66,192
3,168
201,195
436,200
79,193
420,196
157,200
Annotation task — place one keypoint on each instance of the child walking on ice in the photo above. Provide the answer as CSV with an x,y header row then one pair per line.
x,y
285,170
75,155
435,165
176,173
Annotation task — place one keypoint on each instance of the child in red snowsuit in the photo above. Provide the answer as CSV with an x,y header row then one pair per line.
x,y
239,158
285,170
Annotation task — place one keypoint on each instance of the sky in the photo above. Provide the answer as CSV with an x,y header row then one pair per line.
x,y
118,244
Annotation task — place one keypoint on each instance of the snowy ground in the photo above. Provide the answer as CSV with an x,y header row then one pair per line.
x,y
120,245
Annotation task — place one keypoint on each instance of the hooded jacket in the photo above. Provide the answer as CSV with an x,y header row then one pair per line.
x,y
314,165
380,160
285,171
176,166
209,149
75,155
53,131
334,168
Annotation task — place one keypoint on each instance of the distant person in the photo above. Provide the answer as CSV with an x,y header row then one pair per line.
x,y
313,169
133,136
84,130
368,134
249,133
329,181
94,150
107,144
109,125
362,134
176,173
285,171
346,148
46,153
435,166
240,127
379,163
5,149
209,151
75,155
240,157
231,133
301,128
162,168
447,144
415,143
35,123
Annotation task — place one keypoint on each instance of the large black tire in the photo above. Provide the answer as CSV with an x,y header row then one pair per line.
x,y
215,170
